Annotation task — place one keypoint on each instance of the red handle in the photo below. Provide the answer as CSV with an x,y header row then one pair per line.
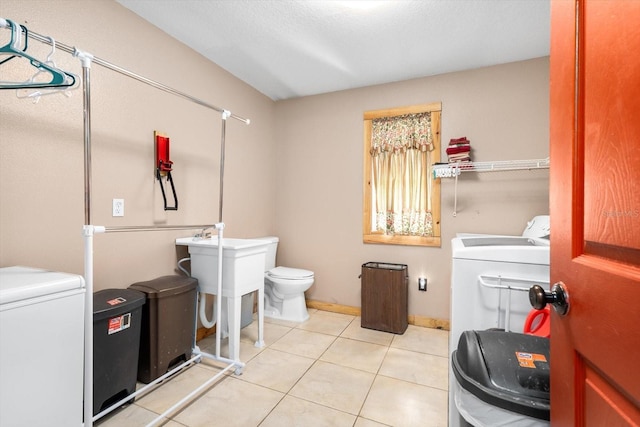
x,y
541,322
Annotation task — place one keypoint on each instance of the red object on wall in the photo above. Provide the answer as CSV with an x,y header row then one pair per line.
x,y
163,157
163,168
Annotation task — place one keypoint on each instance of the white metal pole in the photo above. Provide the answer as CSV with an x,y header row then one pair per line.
x,y
88,325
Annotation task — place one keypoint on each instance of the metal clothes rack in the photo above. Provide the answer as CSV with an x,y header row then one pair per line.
x,y
504,283
453,170
89,230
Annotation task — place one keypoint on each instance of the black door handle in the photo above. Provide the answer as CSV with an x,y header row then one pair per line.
x,y
557,297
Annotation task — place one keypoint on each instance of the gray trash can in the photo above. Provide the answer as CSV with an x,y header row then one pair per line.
x,y
502,378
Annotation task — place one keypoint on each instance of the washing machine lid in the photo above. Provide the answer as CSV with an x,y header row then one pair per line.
x,y
21,283
522,250
289,273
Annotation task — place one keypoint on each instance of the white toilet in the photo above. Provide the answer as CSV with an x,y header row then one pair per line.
x,y
284,288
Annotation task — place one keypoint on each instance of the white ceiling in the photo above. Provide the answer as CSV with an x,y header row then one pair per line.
x,y
291,48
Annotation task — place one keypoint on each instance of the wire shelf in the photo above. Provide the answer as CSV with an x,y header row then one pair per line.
x,y
450,170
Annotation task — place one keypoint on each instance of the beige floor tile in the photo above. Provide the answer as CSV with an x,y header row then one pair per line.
x,y
327,365
293,412
130,416
419,368
304,343
275,369
248,338
231,403
248,350
176,388
335,386
272,332
357,332
363,422
401,403
423,340
280,322
327,323
355,354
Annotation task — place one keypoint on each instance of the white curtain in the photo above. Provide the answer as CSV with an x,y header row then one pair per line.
x,y
401,174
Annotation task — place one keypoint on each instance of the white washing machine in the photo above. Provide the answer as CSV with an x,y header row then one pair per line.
x,y
41,348
490,279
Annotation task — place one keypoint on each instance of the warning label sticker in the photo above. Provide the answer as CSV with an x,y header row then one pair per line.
x,y
119,323
527,360
116,301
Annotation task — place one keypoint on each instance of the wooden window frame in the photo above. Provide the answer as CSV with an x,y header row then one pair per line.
x,y
369,236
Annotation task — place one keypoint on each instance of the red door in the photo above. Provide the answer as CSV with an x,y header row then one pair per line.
x,y
595,211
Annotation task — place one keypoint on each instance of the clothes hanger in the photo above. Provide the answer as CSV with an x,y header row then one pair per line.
x,y
59,78
37,93
4,24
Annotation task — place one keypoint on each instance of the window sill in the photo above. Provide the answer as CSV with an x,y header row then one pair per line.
x,y
401,240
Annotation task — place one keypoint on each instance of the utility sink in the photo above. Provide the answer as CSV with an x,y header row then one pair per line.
x,y
243,263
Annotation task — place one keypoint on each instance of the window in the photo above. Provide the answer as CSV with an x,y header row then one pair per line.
x,y
401,197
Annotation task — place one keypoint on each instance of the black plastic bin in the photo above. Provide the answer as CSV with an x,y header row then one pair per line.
x,y
117,320
505,370
168,324
385,297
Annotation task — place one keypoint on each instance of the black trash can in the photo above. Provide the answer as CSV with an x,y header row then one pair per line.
x,y
168,324
385,297
502,378
117,320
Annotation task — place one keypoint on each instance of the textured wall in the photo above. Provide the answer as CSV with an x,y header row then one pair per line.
x,y
295,172
41,167
503,110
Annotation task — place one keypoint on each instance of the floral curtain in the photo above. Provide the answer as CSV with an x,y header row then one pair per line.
x,y
401,174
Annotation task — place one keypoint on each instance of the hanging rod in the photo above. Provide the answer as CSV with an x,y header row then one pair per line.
x,y
129,228
75,52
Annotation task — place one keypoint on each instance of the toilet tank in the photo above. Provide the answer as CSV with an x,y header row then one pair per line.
x,y
272,248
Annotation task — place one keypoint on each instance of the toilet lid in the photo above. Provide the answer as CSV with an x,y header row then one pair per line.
x,y
290,273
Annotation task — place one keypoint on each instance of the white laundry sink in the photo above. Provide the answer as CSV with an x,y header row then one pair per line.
x,y
243,262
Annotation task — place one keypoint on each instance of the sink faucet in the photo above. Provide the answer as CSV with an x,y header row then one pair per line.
x,y
202,235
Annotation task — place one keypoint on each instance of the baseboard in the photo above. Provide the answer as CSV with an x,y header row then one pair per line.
x,y
427,322
205,332
334,308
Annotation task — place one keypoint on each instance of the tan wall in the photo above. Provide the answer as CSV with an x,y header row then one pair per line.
x,y
41,167
503,110
295,172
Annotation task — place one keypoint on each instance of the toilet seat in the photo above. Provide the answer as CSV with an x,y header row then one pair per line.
x,y
289,273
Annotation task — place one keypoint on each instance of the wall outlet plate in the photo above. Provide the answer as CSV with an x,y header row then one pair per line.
x,y
118,207
422,284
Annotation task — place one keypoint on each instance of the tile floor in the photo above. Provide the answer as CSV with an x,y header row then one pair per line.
x,y
327,371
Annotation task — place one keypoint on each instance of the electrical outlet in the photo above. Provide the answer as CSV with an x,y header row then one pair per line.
x,y
118,207
422,284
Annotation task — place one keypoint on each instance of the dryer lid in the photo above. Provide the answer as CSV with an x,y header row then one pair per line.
x,y
290,273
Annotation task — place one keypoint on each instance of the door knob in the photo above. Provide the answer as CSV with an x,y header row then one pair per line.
x,y
557,297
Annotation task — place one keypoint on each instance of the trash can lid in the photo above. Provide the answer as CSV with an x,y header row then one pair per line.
x,y
384,265
166,286
111,302
505,369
